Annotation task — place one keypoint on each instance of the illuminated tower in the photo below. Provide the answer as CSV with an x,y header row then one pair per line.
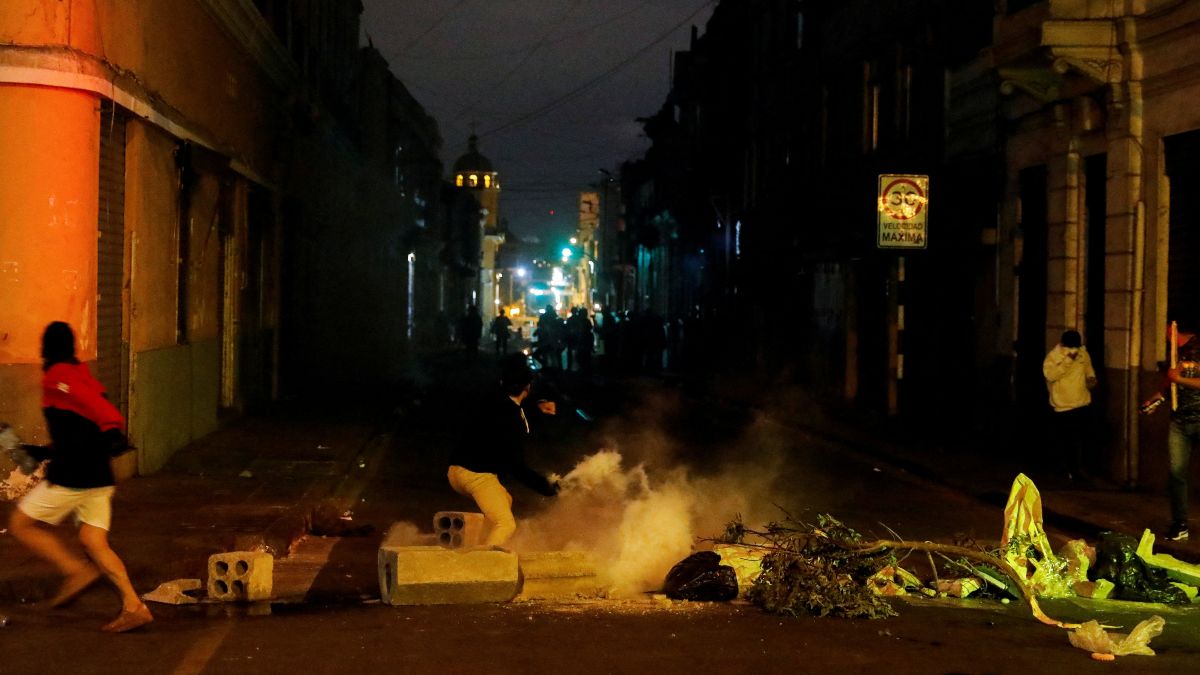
x,y
474,173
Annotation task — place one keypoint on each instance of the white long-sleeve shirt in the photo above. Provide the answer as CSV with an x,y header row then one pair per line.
x,y
1066,378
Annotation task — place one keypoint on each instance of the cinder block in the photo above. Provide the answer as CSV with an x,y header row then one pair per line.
x,y
559,575
460,529
433,575
240,575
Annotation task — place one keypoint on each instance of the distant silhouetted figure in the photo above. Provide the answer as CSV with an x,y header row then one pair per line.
x,y
501,325
470,328
579,326
608,338
549,339
654,340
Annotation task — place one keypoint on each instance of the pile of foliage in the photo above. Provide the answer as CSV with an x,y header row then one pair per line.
x,y
817,569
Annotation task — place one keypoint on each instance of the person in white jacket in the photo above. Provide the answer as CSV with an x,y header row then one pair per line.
x,y
1070,379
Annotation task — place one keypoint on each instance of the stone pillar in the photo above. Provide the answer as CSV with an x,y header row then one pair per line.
x,y
1125,255
1064,306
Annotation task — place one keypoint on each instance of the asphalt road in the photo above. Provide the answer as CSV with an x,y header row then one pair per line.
x,y
593,637
710,464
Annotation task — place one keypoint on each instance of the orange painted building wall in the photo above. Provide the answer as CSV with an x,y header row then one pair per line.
x,y
48,204
175,75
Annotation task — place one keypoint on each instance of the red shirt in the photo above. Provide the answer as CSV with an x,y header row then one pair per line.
x,y
71,387
77,414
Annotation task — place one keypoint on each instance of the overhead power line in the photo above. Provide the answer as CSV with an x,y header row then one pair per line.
x,y
552,105
433,26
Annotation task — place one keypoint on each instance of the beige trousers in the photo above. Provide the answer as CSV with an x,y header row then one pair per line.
x,y
492,499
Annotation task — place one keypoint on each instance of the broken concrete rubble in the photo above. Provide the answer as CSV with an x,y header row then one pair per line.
x,y
174,592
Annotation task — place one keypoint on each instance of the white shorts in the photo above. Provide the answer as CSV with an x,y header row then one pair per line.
x,y
52,503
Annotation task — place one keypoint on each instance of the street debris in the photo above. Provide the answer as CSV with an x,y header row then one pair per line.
x,y
701,576
27,460
1092,637
175,592
828,569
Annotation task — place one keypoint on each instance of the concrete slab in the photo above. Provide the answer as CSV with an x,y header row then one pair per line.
x,y
433,575
559,575
556,564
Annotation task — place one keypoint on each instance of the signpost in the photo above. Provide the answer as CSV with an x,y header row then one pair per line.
x,y
903,207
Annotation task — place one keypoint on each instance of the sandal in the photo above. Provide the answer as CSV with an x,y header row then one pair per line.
x,y
127,620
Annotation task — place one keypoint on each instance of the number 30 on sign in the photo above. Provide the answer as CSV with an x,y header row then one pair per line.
x,y
903,211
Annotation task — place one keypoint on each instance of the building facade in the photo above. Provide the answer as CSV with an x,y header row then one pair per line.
x,y
1060,152
1096,228
156,196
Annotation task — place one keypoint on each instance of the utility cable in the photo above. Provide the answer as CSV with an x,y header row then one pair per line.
x,y
552,105
432,26
566,37
525,59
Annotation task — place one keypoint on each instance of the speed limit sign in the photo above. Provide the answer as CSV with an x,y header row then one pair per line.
x,y
903,206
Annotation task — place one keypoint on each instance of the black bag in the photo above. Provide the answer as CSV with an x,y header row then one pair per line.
x,y
1117,560
701,576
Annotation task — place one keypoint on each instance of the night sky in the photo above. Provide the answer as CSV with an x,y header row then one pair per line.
x,y
553,87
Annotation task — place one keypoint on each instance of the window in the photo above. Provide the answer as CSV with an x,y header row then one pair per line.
x,y
824,150
458,180
870,107
487,181
904,77
474,180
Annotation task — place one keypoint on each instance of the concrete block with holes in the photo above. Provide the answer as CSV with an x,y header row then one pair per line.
x,y
559,575
460,529
434,575
240,575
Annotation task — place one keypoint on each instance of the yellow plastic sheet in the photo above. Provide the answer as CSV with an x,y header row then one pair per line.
x,y
1023,516
1092,637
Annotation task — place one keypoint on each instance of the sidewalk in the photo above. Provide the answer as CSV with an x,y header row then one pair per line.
x,y
252,485
984,465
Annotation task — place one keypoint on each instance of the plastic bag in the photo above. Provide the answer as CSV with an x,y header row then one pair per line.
x,y
1092,638
701,576
1026,548
1117,560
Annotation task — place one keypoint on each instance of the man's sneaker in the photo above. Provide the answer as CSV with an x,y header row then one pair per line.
x,y
1177,532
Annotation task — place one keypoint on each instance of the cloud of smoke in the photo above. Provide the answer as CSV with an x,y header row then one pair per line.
x,y
637,522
